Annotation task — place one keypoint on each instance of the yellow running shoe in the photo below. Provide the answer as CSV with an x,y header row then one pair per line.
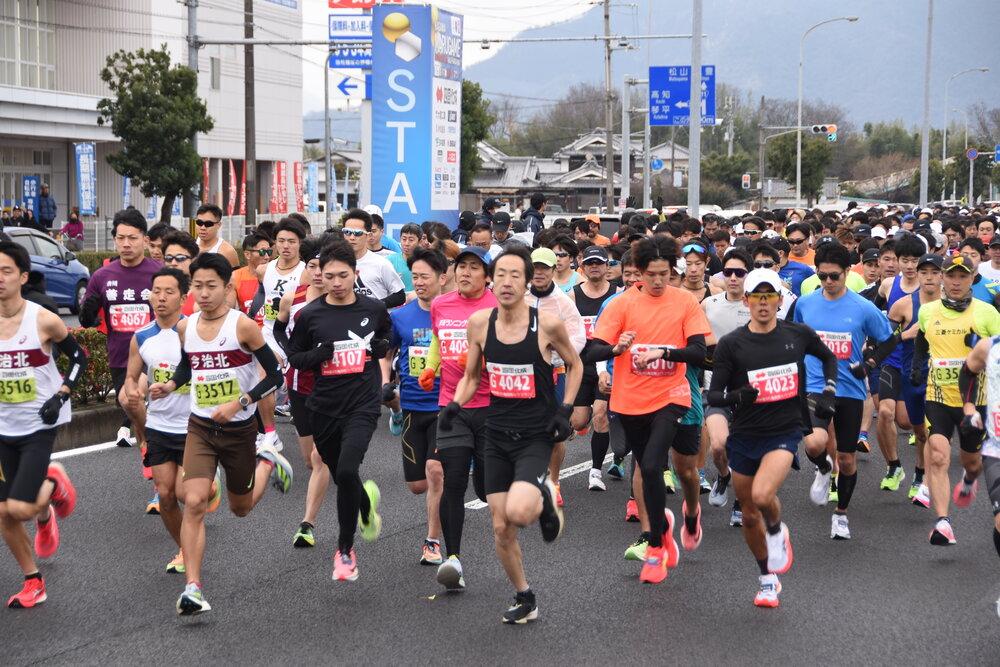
x,y
176,566
669,482
216,500
371,526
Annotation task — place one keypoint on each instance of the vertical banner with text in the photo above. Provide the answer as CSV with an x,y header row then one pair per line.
x,y
243,189
86,178
297,177
416,114
312,186
231,203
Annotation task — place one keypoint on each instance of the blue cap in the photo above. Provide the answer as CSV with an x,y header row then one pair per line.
x,y
908,217
481,254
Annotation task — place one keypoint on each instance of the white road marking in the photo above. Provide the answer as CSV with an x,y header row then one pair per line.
x,y
85,450
478,504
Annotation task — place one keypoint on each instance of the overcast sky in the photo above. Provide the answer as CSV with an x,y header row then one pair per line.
x,y
483,19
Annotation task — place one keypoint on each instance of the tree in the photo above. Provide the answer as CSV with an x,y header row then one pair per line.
x,y
816,157
726,170
154,110
476,123
556,124
886,138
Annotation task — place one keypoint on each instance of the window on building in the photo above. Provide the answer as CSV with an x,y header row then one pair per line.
x,y
27,43
216,73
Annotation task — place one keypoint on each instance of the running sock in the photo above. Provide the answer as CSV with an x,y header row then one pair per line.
x,y
918,475
269,428
306,524
762,564
996,540
967,483
893,466
821,462
691,523
775,529
599,444
38,575
845,489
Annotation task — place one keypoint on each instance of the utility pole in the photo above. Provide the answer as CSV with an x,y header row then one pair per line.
x,y
327,166
925,130
250,119
647,198
609,152
694,119
626,138
760,153
729,132
192,40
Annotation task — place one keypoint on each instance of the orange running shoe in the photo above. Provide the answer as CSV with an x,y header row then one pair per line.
x,y
654,570
46,537
673,554
33,593
64,494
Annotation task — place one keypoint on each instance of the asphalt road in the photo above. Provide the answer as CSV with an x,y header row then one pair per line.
x,y
886,596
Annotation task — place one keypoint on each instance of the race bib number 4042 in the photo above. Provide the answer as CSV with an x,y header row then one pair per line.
x,y
511,380
775,383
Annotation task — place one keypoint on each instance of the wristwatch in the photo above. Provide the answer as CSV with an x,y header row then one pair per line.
x,y
245,401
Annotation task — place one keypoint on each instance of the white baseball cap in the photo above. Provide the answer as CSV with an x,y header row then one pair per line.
x,y
878,232
373,209
759,277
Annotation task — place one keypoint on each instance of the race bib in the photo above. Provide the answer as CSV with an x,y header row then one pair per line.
x,y
163,373
128,317
348,357
511,380
840,343
417,357
588,325
775,383
658,368
17,385
991,445
454,343
270,312
945,371
212,388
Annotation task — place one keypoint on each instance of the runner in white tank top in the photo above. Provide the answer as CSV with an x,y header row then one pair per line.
x,y
34,400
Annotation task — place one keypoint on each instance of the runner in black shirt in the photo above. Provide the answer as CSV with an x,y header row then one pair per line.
x,y
759,370
523,422
341,338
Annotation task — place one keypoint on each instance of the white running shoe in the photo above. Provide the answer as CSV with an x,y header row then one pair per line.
x,y
923,497
767,596
820,489
596,483
719,495
779,551
273,440
125,438
450,574
839,529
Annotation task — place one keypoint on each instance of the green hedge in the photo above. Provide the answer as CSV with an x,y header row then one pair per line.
x,y
96,385
94,260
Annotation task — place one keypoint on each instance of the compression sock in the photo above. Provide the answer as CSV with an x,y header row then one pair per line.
x,y
821,462
599,443
918,475
762,564
775,529
893,466
845,489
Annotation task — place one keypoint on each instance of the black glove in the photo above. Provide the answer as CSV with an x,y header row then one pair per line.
x,y
826,405
559,425
447,415
859,370
971,339
918,376
49,412
388,391
742,396
972,428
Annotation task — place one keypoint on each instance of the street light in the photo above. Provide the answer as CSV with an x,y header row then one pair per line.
x,y
944,139
798,133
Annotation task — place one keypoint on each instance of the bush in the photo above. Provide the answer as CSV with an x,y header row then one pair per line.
x,y
94,260
96,384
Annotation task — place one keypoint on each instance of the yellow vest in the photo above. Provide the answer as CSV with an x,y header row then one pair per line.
x,y
946,332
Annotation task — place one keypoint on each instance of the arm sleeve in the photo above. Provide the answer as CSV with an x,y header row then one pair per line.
x,y
434,354
281,335
692,353
77,360
968,384
817,348
92,301
182,374
302,354
921,353
396,298
598,350
721,373
272,380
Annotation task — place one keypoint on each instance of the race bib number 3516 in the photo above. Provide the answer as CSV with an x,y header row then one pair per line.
x,y
775,383
17,385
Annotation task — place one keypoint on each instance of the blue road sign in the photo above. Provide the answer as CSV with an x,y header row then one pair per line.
x,y
656,164
972,153
353,58
670,95
996,153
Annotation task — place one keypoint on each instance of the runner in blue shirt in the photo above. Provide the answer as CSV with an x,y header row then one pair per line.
x,y
411,336
844,321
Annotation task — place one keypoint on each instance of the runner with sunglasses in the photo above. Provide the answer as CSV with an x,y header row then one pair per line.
x,y
759,371
844,321
208,224
248,296
696,258
726,312
767,258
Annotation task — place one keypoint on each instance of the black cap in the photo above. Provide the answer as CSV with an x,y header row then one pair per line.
x,y
636,232
870,255
595,252
491,202
995,240
467,217
863,230
931,258
825,239
501,219
921,224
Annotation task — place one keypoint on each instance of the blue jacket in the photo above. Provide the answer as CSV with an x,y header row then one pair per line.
x,y
533,220
47,208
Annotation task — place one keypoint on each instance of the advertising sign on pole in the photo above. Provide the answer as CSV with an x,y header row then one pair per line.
x,y
86,178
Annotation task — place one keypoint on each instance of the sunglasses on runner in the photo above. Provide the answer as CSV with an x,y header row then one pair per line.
x,y
796,241
834,276
739,273
353,232
170,259
204,223
562,254
265,252
752,232
763,296
694,247
614,262
763,265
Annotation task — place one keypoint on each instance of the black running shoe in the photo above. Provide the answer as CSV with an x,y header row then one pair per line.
x,y
551,518
523,610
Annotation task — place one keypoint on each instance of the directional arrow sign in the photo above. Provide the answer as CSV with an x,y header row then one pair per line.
x,y
347,84
670,95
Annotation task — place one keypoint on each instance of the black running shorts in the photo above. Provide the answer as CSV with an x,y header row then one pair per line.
x,y
418,443
24,463
514,457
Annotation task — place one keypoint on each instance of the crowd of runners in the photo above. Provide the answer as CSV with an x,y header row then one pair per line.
x,y
700,358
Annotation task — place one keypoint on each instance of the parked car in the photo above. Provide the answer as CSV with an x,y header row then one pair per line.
x,y
65,278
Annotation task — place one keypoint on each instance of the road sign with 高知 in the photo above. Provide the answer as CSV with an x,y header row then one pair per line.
x,y
670,95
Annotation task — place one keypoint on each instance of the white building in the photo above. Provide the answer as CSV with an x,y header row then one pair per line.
x,y
51,55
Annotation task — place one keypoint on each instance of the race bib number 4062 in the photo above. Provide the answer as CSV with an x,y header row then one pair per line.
x,y
511,380
775,383
128,317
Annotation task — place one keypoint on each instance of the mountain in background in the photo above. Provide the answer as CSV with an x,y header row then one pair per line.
x,y
872,68
344,125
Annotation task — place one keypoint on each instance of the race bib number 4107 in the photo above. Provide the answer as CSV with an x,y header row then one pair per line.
x,y
348,357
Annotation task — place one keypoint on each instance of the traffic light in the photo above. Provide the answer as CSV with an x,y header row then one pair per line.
x,y
829,130
745,181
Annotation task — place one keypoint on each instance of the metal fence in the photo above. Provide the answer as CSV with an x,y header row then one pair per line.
x,y
97,233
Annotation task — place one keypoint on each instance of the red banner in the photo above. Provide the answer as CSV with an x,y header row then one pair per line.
x,y
297,174
204,181
275,204
351,4
283,186
231,204
243,190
